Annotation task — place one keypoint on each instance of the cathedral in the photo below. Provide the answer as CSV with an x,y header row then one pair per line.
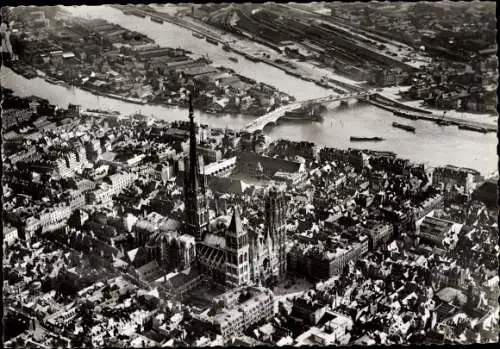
x,y
228,249
195,203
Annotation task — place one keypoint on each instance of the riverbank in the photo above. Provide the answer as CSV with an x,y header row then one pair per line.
x,y
414,114
393,93
252,51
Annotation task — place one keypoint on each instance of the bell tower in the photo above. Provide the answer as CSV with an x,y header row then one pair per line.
x,y
275,228
237,253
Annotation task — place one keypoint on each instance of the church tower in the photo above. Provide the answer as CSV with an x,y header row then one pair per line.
x,y
196,207
237,252
275,228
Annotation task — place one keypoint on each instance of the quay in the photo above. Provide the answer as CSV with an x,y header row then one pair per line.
x,y
159,16
470,125
341,87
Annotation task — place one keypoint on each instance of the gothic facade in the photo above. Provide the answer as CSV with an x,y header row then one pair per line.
x,y
237,254
268,251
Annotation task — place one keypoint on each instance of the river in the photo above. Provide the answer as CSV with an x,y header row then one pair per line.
x,y
62,96
171,35
430,143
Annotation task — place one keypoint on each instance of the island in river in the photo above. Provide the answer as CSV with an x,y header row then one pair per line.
x,y
108,60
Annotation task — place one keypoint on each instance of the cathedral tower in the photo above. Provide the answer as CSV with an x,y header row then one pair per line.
x,y
196,208
237,253
275,228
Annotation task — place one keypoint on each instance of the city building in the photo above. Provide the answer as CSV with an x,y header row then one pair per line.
x,y
267,167
236,310
10,235
435,231
379,233
451,176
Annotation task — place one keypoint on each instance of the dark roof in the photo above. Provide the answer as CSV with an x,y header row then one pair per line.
x,y
435,226
235,225
225,185
181,278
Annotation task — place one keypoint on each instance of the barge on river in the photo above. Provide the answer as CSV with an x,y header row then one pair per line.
x,y
473,128
138,14
405,114
367,139
403,127
100,111
212,41
157,20
444,123
252,58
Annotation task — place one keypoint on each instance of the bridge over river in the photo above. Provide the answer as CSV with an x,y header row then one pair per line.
x,y
370,96
273,116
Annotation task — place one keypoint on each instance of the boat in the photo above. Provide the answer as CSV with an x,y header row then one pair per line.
x,y
100,111
252,58
305,113
288,72
403,127
197,35
367,139
472,128
234,59
405,114
443,123
157,20
51,80
322,84
29,73
212,41
206,59
138,14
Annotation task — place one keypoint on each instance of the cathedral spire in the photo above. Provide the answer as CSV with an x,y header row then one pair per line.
x,y
193,154
196,208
